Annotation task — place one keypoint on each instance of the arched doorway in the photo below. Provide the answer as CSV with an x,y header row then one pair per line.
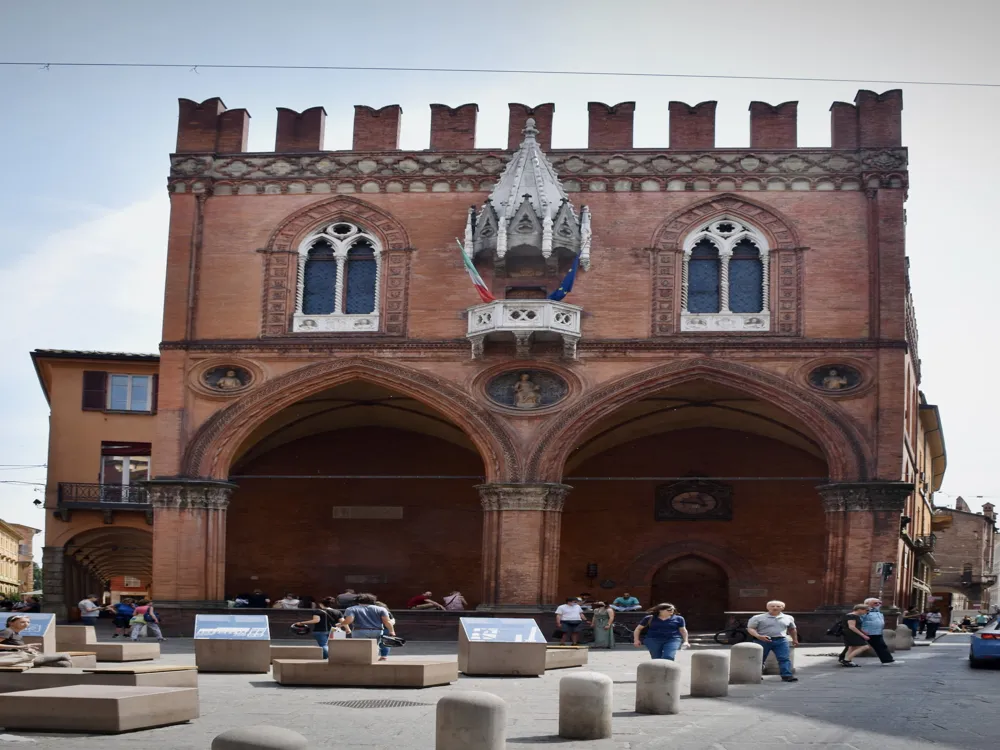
x,y
107,559
357,486
697,587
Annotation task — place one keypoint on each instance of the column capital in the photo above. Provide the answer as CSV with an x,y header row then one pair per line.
x,y
183,493
865,496
545,496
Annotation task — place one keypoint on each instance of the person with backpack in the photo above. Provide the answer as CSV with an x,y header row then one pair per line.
x,y
855,638
145,617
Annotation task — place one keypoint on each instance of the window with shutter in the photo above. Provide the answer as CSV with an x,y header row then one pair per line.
x,y
95,385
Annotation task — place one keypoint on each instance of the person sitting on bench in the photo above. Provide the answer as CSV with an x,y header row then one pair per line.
x,y
625,603
423,601
15,652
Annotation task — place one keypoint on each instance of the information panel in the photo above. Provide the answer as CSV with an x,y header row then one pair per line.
x,y
232,628
40,622
501,630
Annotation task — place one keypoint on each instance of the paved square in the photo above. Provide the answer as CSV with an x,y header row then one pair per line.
x,y
932,700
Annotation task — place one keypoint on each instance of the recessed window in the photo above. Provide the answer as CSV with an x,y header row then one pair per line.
x,y
124,468
129,393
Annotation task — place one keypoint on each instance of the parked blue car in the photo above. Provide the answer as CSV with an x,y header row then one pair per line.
x,y
985,645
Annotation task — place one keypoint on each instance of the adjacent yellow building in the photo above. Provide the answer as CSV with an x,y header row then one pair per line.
x,y
10,578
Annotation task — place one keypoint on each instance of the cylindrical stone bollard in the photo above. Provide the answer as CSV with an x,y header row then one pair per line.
x,y
904,638
658,687
745,662
771,666
471,721
889,636
260,738
585,706
709,674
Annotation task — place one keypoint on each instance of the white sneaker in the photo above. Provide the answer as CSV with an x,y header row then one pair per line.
x,y
893,663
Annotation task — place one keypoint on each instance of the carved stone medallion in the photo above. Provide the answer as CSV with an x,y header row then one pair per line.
x,y
835,378
527,390
227,378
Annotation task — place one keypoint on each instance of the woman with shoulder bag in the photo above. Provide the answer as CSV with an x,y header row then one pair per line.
x,y
144,616
324,620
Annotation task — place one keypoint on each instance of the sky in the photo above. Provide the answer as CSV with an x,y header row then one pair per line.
x,y
83,209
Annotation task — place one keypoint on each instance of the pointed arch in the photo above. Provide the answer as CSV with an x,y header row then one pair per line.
x,y
282,264
784,289
213,448
642,569
842,441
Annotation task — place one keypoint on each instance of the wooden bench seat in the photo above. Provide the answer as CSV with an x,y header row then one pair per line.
x,y
97,708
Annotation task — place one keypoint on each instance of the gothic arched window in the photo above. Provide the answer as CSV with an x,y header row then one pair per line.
x,y
725,278
338,280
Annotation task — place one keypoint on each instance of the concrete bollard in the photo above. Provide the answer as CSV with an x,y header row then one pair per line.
x,y
745,661
889,636
260,738
904,638
658,687
771,665
585,706
471,721
709,674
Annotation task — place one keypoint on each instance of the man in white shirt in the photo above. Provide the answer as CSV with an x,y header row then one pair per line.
x,y
289,602
89,611
569,619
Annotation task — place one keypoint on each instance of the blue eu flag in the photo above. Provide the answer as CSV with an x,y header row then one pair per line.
x,y
567,283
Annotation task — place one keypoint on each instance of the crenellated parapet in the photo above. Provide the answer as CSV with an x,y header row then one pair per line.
x,y
866,151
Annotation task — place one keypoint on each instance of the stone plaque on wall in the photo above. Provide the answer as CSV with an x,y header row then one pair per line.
x,y
527,389
368,512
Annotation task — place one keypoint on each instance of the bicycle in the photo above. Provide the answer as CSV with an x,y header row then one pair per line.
x,y
735,633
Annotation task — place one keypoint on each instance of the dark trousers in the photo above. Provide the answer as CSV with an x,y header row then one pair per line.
x,y
878,645
932,628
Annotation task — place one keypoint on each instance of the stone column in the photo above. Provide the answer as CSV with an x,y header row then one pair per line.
x,y
54,581
521,528
862,522
189,539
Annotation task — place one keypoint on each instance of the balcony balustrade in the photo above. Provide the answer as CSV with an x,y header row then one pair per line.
x,y
104,497
525,320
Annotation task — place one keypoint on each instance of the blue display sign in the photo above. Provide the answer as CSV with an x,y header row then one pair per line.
x,y
232,627
501,630
40,622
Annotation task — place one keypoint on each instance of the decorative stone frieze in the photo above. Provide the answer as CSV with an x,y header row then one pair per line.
x,y
189,494
639,170
865,496
544,497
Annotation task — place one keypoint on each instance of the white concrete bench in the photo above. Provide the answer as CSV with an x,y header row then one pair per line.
x,y
84,638
41,678
97,708
353,662
296,652
561,657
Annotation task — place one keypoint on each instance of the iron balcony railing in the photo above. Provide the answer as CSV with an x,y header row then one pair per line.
x,y
925,542
79,495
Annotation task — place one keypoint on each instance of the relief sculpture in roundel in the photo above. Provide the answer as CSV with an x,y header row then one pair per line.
x,y
227,378
526,390
835,378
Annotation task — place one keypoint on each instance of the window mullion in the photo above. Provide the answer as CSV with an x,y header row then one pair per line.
x,y
684,281
724,257
765,292
300,288
338,300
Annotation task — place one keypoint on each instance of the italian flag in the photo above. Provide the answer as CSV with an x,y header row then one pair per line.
x,y
477,280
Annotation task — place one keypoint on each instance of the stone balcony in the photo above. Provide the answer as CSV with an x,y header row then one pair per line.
x,y
524,321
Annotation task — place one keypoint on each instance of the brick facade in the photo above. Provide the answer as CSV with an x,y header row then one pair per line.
x,y
505,521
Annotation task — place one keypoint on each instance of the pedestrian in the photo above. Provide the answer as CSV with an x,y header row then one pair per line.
x,y
324,619
666,632
923,622
89,611
455,602
145,617
290,601
933,623
383,650
368,620
981,619
776,632
15,652
873,623
257,600
306,602
123,612
855,639
911,619
423,601
603,624
625,603
569,619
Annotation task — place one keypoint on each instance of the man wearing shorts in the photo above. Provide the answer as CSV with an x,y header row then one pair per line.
x,y
569,619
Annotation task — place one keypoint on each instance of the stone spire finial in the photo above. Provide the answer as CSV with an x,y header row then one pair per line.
x,y
529,209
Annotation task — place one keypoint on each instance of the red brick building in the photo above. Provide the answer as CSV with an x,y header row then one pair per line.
x,y
722,411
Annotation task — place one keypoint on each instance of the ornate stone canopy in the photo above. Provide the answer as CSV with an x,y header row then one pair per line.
x,y
528,211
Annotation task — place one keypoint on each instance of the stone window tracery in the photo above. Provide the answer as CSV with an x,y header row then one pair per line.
x,y
725,278
338,286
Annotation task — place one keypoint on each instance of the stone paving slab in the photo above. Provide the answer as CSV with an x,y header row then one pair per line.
x,y
933,700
